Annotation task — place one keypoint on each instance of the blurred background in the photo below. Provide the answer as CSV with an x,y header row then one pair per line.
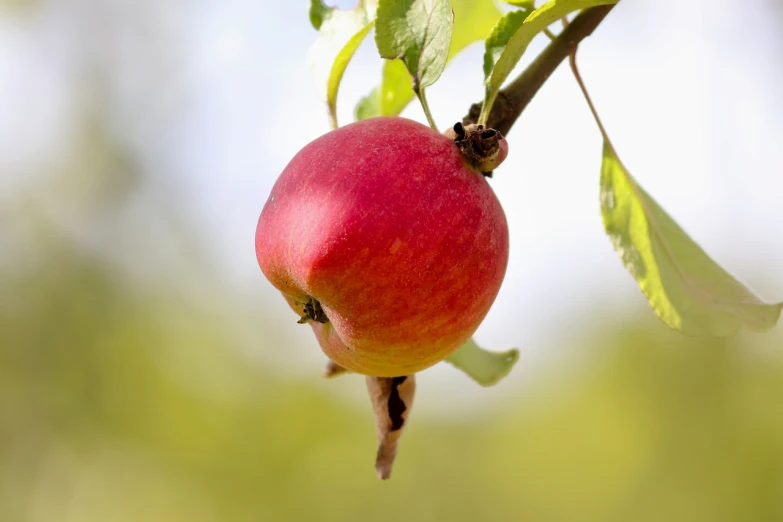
x,y
149,372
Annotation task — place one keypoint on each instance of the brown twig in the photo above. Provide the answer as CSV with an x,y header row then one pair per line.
x,y
512,100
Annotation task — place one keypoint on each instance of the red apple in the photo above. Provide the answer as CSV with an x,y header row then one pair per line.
x,y
386,240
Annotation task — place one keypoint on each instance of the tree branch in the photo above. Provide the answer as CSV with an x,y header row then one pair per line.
x,y
512,100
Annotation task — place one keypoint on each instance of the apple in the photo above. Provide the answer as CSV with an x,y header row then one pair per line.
x,y
386,238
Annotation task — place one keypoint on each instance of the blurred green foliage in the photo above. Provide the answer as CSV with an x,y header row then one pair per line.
x,y
120,403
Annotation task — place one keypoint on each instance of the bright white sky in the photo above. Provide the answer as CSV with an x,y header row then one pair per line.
x,y
217,96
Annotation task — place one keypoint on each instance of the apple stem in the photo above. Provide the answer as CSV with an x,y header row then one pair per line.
x,y
392,399
484,148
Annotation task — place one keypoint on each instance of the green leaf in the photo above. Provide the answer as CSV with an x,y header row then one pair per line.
x,y
318,12
528,5
419,33
396,90
342,32
369,106
486,368
473,21
394,93
498,65
498,39
688,290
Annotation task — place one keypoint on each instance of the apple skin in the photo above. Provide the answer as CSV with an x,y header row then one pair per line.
x,y
403,243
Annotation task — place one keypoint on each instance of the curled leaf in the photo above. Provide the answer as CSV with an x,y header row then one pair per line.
x,y
332,369
484,367
392,400
318,12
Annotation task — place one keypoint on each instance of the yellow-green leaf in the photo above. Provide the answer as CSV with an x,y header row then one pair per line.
x,y
341,34
486,368
687,289
338,68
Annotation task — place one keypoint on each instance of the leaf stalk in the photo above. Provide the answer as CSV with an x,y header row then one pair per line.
x,y
424,105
